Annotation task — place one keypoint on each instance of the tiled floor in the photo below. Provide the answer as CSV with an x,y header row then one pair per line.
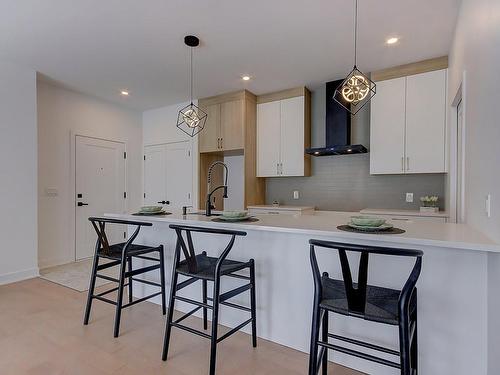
x,y
41,333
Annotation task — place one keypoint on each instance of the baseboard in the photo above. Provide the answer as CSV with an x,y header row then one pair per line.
x,y
19,276
47,263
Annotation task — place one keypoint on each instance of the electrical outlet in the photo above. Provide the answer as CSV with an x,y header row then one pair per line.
x,y
296,194
409,197
488,205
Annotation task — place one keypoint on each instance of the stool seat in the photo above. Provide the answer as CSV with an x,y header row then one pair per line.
x,y
381,303
206,267
115,251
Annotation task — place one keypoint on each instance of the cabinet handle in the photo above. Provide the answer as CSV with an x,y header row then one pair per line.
x,y
221,143
281,168
402,163
407,163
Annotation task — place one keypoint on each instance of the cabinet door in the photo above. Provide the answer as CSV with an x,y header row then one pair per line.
x,y
425,122
208,138
292,137
387,127
268,139
232,120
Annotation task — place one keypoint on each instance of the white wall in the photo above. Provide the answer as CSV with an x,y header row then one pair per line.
x,y
18,153
476,51
159,127
63,113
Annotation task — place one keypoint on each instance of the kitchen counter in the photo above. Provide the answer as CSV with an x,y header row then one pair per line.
x,y
452,288
384,211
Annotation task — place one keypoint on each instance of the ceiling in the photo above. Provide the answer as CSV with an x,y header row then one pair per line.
x,y
100,47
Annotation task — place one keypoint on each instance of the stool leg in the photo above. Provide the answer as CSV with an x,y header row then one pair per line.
x,y
130,280
119,300
215,322
253,304
170,314
324,338
414,344
313,349
162,281
90,295
404,343
204,295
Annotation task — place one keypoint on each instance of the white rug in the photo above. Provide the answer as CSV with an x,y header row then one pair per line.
x,y
76,275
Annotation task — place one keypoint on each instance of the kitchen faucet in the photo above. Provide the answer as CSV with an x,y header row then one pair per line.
x,y
208,206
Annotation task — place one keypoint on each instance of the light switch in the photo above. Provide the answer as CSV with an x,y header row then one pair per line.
x,y
409,197
296,194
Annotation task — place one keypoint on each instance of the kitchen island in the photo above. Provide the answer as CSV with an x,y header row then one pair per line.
x,y
453,286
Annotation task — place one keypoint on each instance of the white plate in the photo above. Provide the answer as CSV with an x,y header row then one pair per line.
x,y
371,229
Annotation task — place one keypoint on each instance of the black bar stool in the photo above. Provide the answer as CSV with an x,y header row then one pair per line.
x,y
360,300
121,255
202,267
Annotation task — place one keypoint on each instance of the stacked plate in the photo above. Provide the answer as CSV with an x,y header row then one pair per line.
x,y
234,216
151,210
369,223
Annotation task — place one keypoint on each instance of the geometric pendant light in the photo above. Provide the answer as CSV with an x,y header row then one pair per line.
x,y
191,119
357,89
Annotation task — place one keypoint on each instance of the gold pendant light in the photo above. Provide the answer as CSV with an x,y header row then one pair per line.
x,y
357,89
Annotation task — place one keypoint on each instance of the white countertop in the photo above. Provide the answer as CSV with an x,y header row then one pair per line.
x,y
324,223
384,211
283,207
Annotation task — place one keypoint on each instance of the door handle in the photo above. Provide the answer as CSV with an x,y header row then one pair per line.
x,y
164,202
80,204
407,163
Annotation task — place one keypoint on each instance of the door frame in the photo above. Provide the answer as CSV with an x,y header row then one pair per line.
x,y
72,182
454,164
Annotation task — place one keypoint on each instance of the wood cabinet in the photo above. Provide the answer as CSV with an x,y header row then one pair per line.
x,y
225,126
283,133
408,124
230,130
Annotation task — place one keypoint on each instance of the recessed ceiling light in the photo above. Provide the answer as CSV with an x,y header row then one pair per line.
x,y
124,93
392,40
245,78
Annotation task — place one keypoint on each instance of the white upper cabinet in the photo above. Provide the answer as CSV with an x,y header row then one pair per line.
x,y
425,122
292,137
408,123
283,133
387,131
268,138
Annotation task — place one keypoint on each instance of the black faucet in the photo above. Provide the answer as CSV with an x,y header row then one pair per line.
x,y
208,205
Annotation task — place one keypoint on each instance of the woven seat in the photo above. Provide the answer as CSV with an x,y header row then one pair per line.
x,y
206,267
381,303
115,251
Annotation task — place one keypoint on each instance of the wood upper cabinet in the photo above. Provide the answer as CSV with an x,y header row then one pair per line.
x,y
232,124
208,138
283,133
408,123
225,126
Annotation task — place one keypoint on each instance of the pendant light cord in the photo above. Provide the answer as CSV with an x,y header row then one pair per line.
x,y
191,76
355,32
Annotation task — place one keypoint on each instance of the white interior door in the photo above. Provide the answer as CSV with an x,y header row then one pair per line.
x,y
168,174
292,136
100,188
387,127
426,122
268,138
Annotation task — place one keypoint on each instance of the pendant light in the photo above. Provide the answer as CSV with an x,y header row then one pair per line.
x,y
357,89
191,119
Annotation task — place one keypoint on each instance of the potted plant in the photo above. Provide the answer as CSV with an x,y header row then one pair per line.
x,y
429,203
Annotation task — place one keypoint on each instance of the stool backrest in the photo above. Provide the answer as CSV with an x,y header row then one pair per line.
x,y
99,224
187,244
356,296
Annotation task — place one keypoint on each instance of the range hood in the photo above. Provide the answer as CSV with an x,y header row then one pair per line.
x,y
338,128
